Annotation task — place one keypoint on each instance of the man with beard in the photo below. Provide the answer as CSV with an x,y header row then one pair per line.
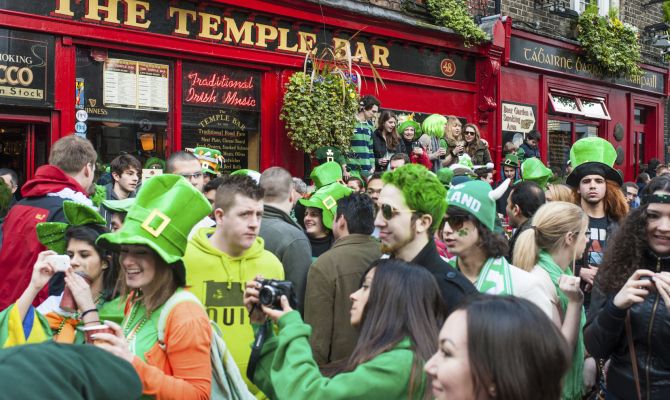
x,y
411,207
125,177
68,176
596,185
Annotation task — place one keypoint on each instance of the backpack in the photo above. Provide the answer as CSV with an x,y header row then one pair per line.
x,y
227,381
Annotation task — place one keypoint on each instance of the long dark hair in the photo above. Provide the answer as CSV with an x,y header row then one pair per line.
x,y
404,301
89,234
393,139
514,348
616,206
628,247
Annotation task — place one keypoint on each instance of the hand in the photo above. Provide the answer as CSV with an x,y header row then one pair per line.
x,y
418,151
42,270
588,274
81,291
276,314
251,301
441,152
116,343
569,285
345,173
662,282
459,149
634,290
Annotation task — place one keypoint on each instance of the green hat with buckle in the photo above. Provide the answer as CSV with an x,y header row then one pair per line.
x,y
592,156
532,169
474,198
511,160
119,206
329,154
326,199
52,234
326,173
166,209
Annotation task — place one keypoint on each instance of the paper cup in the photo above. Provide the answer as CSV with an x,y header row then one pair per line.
x,y
89,331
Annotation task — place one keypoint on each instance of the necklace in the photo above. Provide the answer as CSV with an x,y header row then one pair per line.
x,y
131,333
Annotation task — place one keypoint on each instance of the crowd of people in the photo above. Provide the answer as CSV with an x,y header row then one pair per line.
x,y
400,272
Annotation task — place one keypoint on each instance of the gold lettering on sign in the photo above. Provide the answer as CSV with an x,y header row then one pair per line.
x,y
183,16
238,35
380,55
283,41
307,42
265,33
111,11
209,24
136,13
64,7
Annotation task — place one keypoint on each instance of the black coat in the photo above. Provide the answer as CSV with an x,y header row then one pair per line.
x,y
605,336
380,148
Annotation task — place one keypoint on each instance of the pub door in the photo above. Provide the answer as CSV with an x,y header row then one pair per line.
x,y
23,147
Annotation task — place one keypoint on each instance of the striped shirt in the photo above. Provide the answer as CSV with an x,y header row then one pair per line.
x,y
362,156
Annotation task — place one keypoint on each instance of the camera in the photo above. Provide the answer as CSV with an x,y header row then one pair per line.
x,y
272,290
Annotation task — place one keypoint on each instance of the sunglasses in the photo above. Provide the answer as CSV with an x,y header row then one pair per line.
x,y
470,133
388,211
456,221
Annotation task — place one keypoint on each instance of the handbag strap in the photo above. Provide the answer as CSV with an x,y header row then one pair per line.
x,y
633,357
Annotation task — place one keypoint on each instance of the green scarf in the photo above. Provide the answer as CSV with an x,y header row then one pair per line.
x,y
494,278
573,385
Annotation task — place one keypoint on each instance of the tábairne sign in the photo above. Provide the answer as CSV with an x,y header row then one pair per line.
x,y
26,68
553,58
235,27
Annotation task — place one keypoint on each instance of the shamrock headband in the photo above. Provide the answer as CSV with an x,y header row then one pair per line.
x,y
52,234
655,198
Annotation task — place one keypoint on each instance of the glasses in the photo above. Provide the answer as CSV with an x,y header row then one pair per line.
x,y
470,133
196,175
456,221
388,211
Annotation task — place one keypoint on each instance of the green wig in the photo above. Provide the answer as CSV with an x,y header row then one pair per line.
x,y
5,198
434,125
422,190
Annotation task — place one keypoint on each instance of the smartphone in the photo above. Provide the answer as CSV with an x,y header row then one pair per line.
x,y
60,263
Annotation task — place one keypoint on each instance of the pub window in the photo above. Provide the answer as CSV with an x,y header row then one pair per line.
x,y
561,134
576,105
123,103
221,110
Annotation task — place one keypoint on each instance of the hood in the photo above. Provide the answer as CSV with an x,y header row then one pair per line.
x,y
202,243
50,179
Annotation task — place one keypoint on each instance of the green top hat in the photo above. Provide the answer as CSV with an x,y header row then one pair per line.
x,y
511,160
166,209
534,170
329,154
154,161
326,199
52,234
325,174
445,175
473,197
210,159
592,156
406,121
119,206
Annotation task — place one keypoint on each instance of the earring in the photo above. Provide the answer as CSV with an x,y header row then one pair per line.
x,y
492,390
105,265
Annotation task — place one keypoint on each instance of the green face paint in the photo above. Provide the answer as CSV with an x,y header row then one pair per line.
x,y
463,232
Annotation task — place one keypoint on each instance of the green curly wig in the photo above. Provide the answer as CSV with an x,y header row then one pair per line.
x,y
434,125
422,190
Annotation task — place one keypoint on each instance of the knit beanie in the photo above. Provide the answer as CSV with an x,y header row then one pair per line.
x,y
473,197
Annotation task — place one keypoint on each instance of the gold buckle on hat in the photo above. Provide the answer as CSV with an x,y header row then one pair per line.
x,y
329,202
156,232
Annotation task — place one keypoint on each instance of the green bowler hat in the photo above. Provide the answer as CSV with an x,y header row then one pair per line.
x,y
474,198
166,209
119,206
325,174
329,154
532,169
511,160
326,199
52,234
592,156
406,121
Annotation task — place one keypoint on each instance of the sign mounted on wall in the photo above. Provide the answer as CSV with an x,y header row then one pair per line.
x,y
518,117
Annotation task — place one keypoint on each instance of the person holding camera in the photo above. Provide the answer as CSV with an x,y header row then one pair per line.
x,y
629,320
397,310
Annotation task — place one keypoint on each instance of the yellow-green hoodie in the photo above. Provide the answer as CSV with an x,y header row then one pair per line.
x,y
218,280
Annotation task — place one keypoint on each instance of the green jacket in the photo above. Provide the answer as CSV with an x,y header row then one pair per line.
x,y
287,370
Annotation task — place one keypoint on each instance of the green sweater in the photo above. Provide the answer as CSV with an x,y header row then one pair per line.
x,y
287,369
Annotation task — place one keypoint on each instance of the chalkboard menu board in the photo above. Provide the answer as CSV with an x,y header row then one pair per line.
x,y
221,111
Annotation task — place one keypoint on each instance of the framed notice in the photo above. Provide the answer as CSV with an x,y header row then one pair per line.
x,y
136,85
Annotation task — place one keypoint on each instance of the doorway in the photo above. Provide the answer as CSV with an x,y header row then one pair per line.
x,y
23,146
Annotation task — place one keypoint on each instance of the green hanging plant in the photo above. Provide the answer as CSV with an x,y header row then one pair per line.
x,y
453,14
609,44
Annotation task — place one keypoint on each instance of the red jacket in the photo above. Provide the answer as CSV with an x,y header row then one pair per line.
x,y
20,246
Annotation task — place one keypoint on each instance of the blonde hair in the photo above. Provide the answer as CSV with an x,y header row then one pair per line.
x,y
550,224
560,192
452,120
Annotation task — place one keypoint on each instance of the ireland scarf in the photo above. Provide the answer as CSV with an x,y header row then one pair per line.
x,y
494,278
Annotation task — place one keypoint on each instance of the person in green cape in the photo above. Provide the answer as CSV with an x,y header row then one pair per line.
x,y
548,250
479,251
94,296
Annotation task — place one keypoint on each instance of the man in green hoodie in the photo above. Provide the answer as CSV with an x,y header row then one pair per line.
x,y
220,260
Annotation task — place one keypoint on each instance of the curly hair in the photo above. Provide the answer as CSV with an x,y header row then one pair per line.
x,y
422,190
616,206
434,125
626,251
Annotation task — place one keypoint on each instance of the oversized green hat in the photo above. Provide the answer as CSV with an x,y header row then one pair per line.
x,y
406,121
532,169
445,175
119,206
326,199
154,161
592,156
52,234
511,160
326,173
328,154
166,209
473,197
210,159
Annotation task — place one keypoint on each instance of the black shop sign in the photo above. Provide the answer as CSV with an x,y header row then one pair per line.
x,y
26,69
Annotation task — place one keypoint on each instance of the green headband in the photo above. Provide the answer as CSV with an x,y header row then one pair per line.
x,y
655,198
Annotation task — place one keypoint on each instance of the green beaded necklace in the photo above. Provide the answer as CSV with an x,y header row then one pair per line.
x,y
130,331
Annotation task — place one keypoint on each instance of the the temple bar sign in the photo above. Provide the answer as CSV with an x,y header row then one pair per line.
x,y
236,27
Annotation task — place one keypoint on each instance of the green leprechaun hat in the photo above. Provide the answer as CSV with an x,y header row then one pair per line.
x,y
52,234
326,199
326,173
119,206
592,156
407,121
445,175
154,162
166,209
534,170
474,198
511,160
329,154
210,159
